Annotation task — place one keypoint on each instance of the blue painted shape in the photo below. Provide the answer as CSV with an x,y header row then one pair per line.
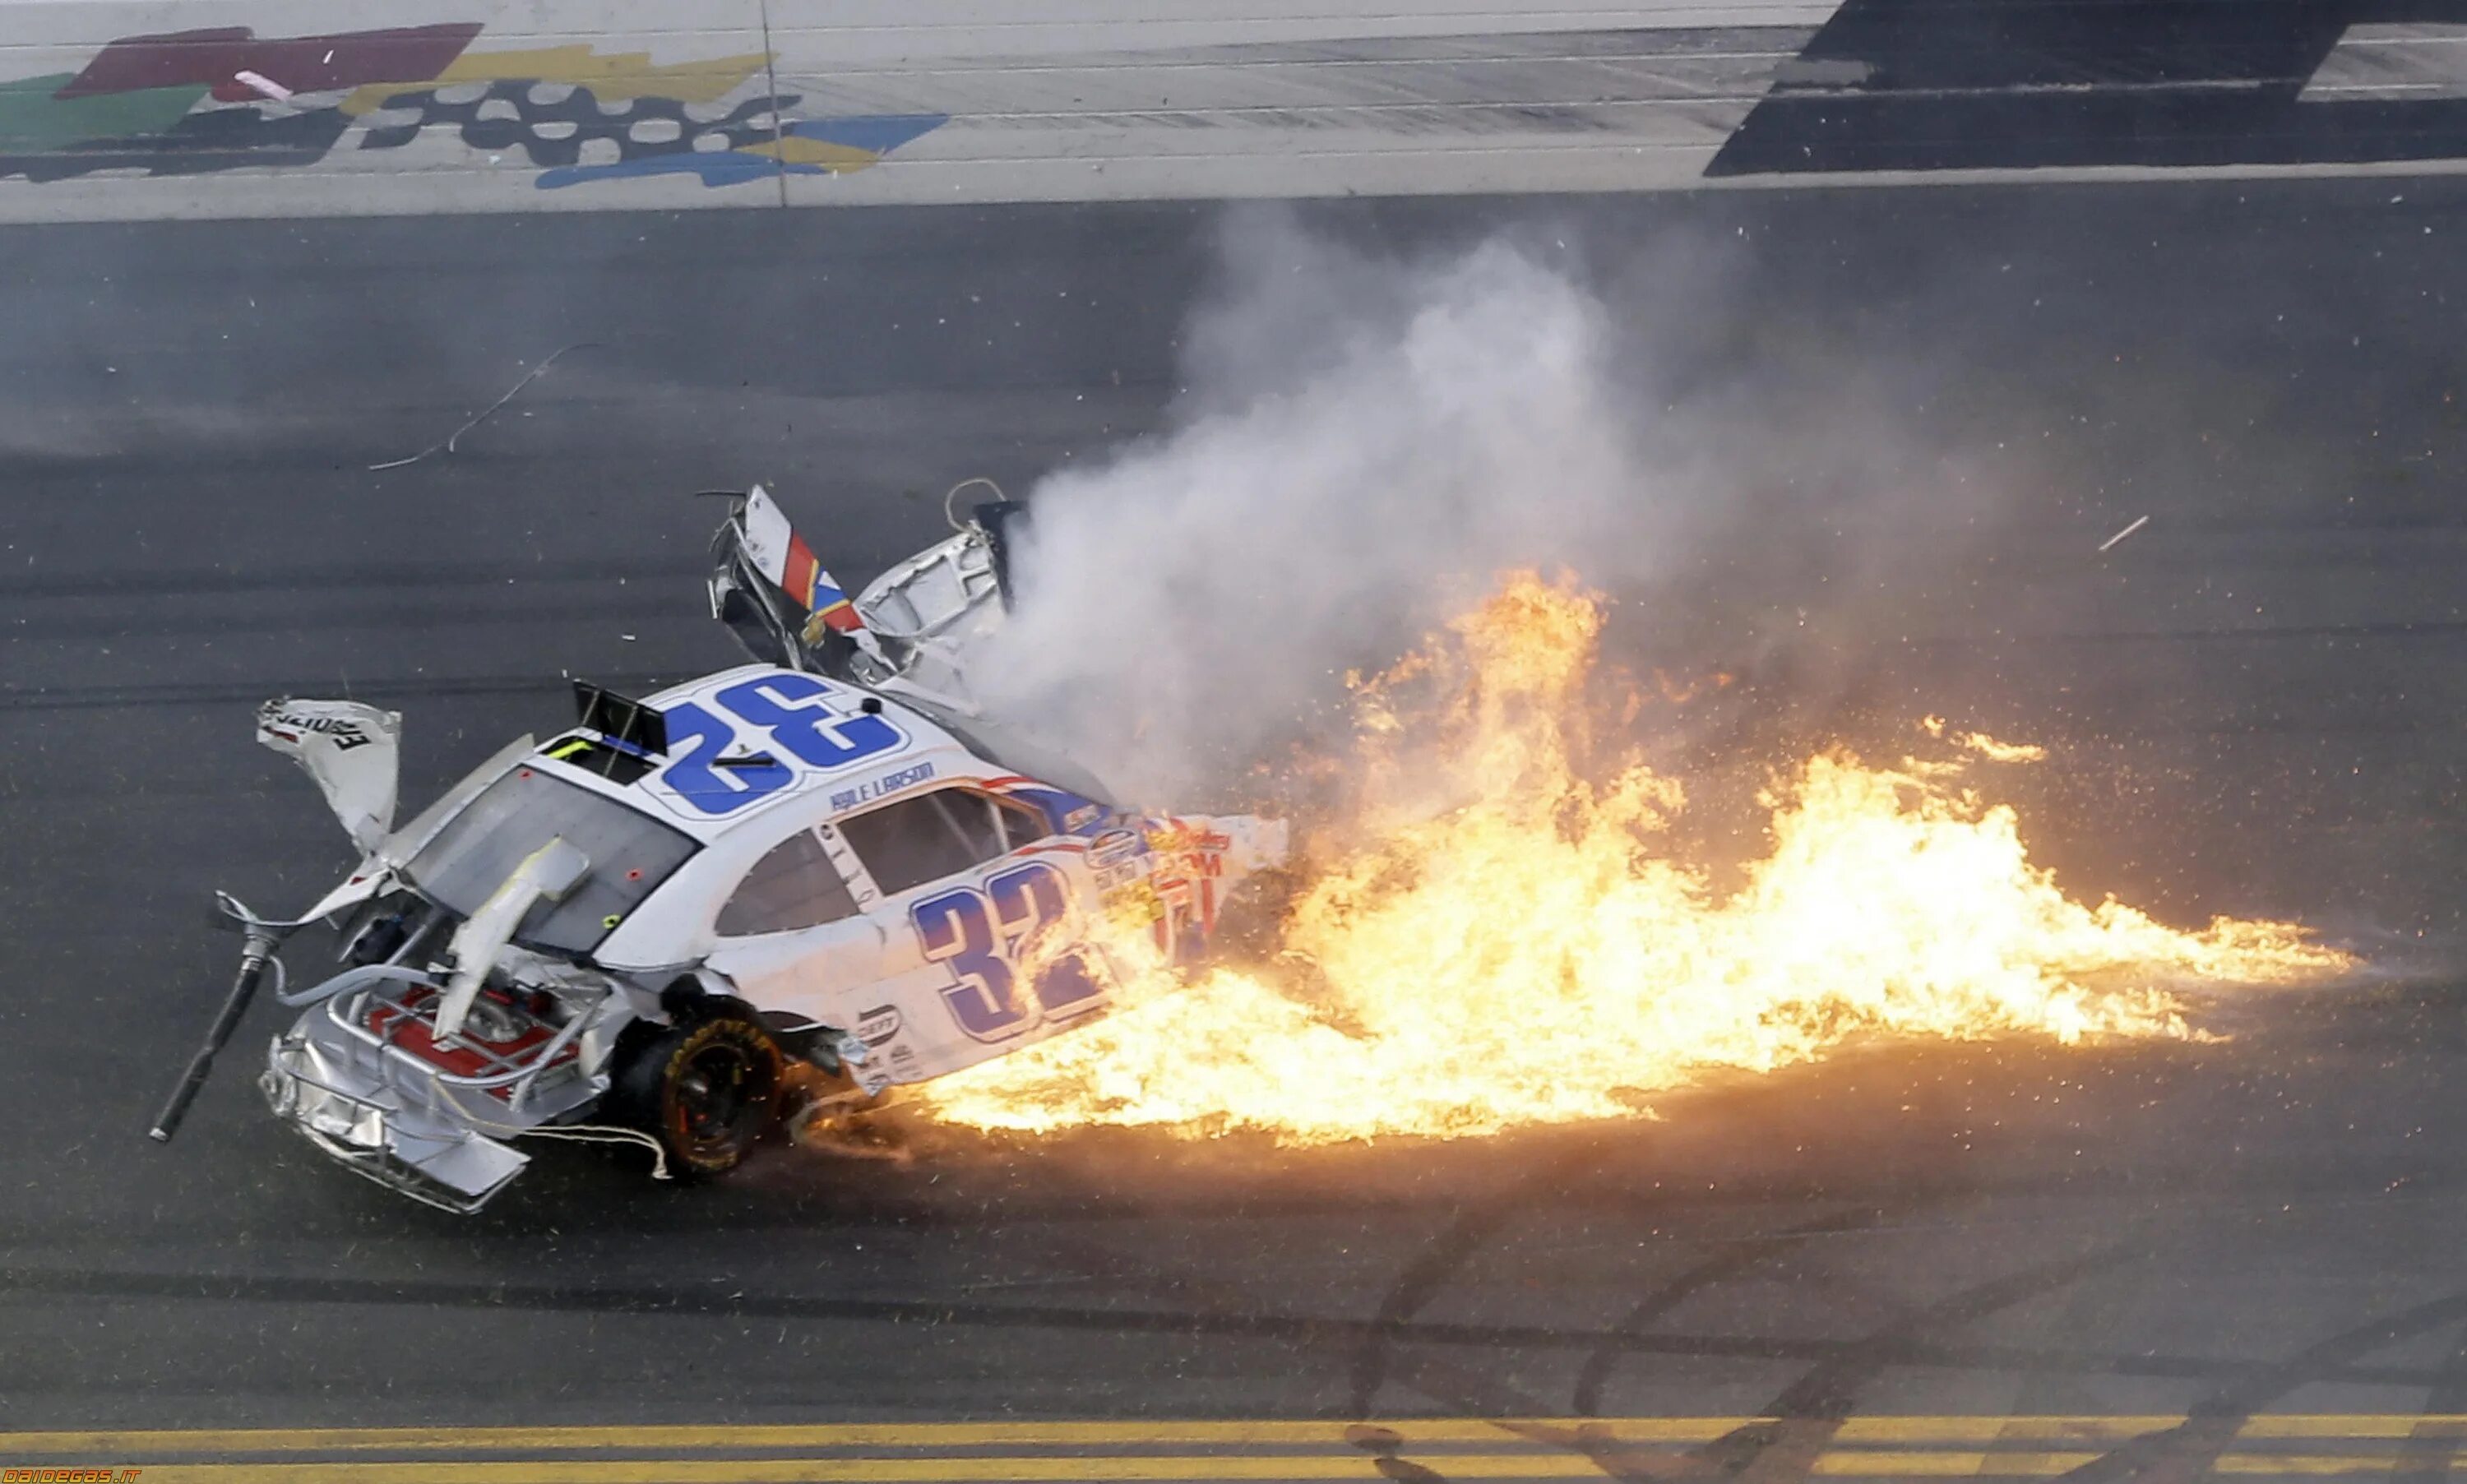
x,y
696,781
1059,807
817,735
716,167
878,134
952,928
1027,900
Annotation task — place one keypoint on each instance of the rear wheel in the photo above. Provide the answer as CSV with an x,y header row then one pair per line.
x,y
705,1090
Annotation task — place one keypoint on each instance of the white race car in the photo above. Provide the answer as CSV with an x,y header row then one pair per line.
x,y
820,868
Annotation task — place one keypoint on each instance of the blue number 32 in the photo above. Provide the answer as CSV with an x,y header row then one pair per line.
x,y
795,711
982,950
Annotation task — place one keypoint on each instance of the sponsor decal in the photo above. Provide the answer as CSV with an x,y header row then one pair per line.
x,y
878,1025
875,788
1175,838
347,735
1118,857
1114,847
1189,860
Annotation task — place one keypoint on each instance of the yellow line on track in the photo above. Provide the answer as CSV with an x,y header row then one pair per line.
x,y
1068,1434
2400,1425
2034,1465
1982,1430
915,1435
1853,1464
914,1444
880,1471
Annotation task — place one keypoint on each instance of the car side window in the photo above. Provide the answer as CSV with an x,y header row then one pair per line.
x,y
793,885
1021,824
925,838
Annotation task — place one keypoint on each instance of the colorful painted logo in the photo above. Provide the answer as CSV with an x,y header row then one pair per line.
x,y
195,101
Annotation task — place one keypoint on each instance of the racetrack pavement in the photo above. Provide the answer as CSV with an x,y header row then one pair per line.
x,y
2254,706
1418,1449
2226,1232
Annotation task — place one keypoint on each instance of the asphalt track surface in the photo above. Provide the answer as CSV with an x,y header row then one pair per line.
x,y
2256,702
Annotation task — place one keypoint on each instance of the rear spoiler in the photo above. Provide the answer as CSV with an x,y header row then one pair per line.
x,y
620,719
783,559
632,735
777,598
786,608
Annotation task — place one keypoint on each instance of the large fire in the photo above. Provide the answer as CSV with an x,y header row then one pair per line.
x,y
1492,939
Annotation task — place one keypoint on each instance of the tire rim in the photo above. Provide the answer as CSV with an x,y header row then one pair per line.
x,y
719,1100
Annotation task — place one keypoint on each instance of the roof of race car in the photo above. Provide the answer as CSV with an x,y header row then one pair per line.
x,y
744,741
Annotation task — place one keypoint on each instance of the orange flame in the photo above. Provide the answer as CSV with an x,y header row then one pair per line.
x,y
1493,941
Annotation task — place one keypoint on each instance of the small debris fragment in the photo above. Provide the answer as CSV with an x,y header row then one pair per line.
x,y
481,417
2137,524
263,85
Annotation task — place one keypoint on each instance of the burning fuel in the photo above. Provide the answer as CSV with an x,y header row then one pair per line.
x,y
1495,935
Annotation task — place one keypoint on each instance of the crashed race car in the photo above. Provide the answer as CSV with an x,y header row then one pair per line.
x,y
820,871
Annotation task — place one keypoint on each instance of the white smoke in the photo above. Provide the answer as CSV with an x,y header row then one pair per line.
x,y
1363,443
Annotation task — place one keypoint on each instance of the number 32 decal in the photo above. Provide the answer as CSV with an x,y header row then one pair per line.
x,y
795,711
982,935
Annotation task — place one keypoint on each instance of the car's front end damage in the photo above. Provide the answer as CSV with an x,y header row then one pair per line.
x,y
443,1038
367,1078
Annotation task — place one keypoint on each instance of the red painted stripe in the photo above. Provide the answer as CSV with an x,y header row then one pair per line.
x,y
304,64
798,573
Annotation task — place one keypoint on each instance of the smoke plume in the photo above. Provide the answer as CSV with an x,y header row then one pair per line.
x,y
1365,441
1362,445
